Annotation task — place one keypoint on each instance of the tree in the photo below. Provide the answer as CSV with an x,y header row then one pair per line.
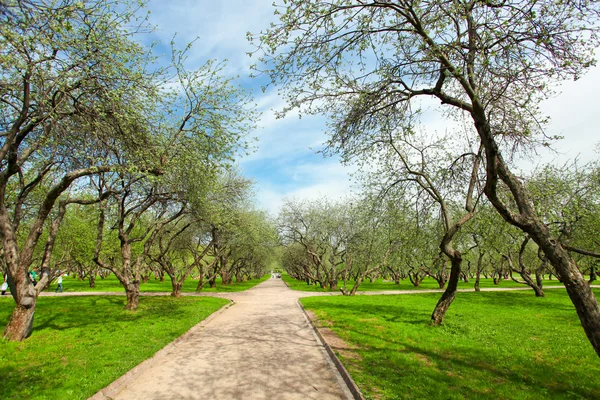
x,y
79,98
320,227
72,82
364,62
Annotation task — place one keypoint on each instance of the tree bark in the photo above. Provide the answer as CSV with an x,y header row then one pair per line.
x,y
200,285
177,286
132,291
20,324
579,291
437,317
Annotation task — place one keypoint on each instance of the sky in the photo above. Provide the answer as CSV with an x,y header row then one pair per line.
x,y
286,163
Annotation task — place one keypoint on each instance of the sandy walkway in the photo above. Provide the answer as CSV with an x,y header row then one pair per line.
x,y
261,348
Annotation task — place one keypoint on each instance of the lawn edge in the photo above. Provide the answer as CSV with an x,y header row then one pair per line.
x,y
356,393
117,385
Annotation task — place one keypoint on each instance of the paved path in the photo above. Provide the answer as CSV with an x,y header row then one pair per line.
x,y
260,348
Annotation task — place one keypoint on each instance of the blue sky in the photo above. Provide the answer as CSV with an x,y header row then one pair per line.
x,y
286,163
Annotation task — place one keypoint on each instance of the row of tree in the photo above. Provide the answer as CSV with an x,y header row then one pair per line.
x,y
112,160
399,236
367,65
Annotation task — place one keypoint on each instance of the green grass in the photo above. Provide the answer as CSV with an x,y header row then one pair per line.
x,y
502,345
112,284
428,283
81,344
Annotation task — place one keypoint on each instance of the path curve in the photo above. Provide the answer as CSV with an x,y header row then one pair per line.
x,y
261,348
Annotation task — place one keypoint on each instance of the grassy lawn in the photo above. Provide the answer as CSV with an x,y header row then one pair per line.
x,y
502,345
428,283
112,284
81,344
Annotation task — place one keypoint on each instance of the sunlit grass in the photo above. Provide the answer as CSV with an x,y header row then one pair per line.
x,y
492,345
81,344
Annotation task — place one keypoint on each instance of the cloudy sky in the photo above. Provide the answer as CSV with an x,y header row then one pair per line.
x,y
286,163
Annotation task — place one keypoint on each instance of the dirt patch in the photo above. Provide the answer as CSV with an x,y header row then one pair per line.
x,y
423,359
334,341
337,344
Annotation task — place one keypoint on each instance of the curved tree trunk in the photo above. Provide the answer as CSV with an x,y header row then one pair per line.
x,y
437,317
526,219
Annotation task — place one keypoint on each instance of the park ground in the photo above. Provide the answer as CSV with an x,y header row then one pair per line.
x,y
492,344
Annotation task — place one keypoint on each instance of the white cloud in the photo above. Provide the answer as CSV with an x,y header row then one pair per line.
x,y
220,25
308,182
284,164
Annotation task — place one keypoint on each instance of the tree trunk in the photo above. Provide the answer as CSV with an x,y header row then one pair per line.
x,y
441,282
177,286
578,289
92,279
20,324
477,276
132,291
437,317
537,289
200,283
527,220
538,279
592,274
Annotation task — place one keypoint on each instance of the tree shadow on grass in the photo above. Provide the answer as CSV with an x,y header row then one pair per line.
x,y
61,313
464,370
437,362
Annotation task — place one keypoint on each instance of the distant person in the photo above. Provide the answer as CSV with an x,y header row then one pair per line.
x,y
4,286
60,286
33,277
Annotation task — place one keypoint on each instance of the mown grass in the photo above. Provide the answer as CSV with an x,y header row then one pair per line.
x,y
112,284
81,344
428,283
492,345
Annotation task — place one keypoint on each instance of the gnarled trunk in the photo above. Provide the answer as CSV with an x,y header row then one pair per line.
x,y
20,324
437,317
579,291
132,291
177,286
